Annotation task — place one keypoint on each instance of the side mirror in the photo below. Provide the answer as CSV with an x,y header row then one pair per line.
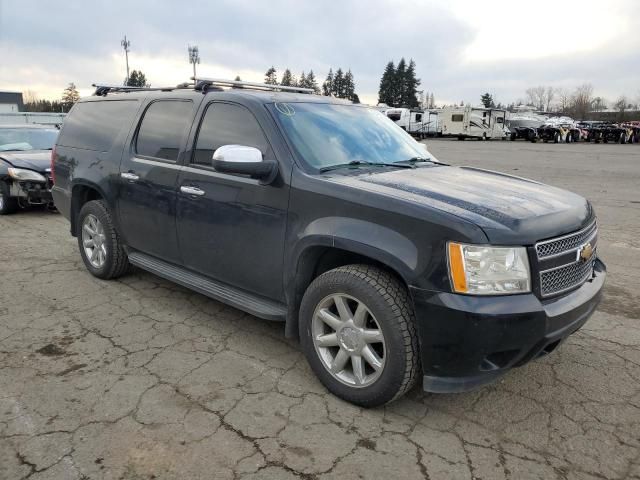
x,y
242,160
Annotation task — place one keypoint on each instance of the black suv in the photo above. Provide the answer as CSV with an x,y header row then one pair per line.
x,y
386,263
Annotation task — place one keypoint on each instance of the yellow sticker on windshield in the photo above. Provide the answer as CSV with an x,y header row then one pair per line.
x,y
285,109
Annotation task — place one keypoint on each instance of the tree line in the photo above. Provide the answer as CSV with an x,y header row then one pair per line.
x,y
340,84
580,102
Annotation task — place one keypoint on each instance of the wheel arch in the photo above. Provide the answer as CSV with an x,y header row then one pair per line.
x,y
321,254
81,193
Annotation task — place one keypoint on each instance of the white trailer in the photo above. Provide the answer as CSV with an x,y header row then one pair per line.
x,y
473,122
419,123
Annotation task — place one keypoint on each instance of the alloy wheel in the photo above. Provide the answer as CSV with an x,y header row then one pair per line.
x,y
348,340
93,241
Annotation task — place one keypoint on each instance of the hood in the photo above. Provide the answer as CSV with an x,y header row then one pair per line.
x,y
511,210
38,160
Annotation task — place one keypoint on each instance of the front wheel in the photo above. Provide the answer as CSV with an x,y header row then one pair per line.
x,y
359,335
8,204
99,242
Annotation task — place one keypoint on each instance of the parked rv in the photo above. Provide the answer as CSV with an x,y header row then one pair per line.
x,y
473,122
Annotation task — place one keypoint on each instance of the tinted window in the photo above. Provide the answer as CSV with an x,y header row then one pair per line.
x,y
226,124
500,120
163,127
95,125
457,118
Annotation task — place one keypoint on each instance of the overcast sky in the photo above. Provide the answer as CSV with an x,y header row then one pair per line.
x,y
461,48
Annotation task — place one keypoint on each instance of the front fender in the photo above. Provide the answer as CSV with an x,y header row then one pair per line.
x,y
361,237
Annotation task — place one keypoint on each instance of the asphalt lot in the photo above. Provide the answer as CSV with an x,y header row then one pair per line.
x,y
142,379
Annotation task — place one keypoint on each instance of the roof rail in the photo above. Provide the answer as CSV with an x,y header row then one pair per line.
x,y
103,89
204,83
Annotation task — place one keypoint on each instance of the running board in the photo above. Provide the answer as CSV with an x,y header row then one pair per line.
x,y
239,299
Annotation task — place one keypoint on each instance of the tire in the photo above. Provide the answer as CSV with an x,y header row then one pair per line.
x,y
8,204
484,137
513,137
557,138
116,262
388,310
622,139
569,138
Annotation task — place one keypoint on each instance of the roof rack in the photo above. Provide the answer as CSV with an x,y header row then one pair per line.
x,y
103,89
204,83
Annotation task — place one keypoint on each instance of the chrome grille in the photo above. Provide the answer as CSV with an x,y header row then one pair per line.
x,y
558,246
564,278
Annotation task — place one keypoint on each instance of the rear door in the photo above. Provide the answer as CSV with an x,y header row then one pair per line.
x,y
149,175
233,229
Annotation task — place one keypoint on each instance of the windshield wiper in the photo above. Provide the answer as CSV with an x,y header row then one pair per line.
x,y
414,160
359,163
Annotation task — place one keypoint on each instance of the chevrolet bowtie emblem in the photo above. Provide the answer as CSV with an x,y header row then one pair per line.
x,y
585,252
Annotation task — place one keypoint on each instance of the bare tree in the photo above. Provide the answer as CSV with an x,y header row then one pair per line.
x,y
536,96
550,95
599,104
564,100
29,96
621,105
582,97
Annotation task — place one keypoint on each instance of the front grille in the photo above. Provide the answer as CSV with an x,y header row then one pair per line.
x,y
565,278
558,246
560,266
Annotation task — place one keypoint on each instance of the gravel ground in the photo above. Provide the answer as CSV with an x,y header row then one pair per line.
x,y
142,379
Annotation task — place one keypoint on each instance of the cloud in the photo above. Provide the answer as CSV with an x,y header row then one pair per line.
x,y
462,48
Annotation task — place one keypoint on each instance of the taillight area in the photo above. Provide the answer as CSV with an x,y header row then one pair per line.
x,y
53,164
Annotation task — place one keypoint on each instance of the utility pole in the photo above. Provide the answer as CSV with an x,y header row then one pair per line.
x,y
194,57
126,44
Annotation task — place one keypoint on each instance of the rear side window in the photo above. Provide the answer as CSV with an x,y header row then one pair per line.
x,y
96,125
163,128
227,124
457,117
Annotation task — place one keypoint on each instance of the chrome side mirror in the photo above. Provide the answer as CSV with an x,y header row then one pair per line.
x,y
243,160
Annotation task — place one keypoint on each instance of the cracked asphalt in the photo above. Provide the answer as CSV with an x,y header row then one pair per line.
x,y
142,379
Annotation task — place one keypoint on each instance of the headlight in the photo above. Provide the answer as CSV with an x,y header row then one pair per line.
x,y
22,174
485,270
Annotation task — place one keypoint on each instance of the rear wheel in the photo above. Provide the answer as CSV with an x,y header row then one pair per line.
x,y
622,139
359,336
557,138
99,242
8,204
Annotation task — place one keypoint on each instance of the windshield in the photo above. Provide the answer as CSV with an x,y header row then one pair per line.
x,y
21,139
328,134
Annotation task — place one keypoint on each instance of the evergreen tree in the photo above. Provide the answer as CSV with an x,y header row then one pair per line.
x,y
386,92
399,81
303,81
287,79
70,96
349,86
327,86
237,79
410,86
338,84
487,100
311,82
270,77
137,79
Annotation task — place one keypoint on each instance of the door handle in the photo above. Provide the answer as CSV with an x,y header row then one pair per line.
x,y
191,190
132,177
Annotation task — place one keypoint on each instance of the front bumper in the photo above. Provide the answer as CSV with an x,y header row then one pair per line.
x,y
467,341
34,193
